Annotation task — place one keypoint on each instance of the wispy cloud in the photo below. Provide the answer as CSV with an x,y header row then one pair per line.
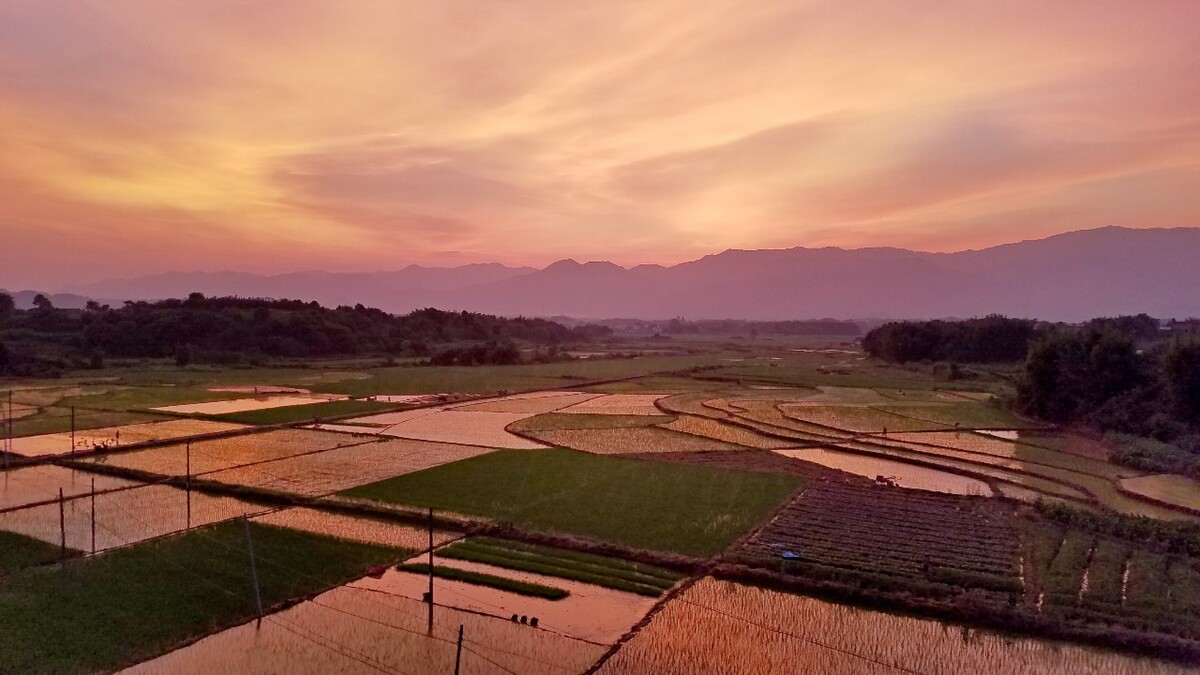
x,y
137,136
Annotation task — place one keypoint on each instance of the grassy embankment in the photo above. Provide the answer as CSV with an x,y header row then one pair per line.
x,y
131,604
302,413
18,551
489,580
650,505
615,573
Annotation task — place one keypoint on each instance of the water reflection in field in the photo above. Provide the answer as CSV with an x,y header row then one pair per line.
x,y
723,628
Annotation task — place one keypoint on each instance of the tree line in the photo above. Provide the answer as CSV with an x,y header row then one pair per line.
x,y
987,340
1120,375
45,339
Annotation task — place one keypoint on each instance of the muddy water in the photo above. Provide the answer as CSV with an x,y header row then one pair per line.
x,y
907,475
722,628
124,517
352,630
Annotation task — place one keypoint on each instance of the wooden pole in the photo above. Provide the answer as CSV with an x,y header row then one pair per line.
x,y
430,570
93,516
188,484
253,571
458,654
62,527
72,430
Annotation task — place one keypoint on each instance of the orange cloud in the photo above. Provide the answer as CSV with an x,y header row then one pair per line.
x,y
139,136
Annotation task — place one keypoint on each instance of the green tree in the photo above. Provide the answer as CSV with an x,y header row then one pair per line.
x,y
42,303
1182,370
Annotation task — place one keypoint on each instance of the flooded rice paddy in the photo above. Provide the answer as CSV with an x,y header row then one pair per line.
x,y
247,404
533,404
618,404
626,440
1166,487
380,631
223,453
31,484
723,628
593,613
60,443
124,517
468,428
709,428
355,528
330,471
907,475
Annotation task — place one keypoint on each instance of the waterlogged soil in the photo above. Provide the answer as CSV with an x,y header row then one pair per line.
x,y
906,475
355,629
723,628
114,437
592,613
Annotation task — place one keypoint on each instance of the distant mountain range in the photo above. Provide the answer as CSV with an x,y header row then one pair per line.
x,y
1071,276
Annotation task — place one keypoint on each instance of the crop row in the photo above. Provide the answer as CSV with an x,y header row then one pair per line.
x,y
882,540
624,580
957,538
489,580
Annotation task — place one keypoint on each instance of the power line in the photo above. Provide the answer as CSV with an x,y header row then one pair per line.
x,y
333,647
802,638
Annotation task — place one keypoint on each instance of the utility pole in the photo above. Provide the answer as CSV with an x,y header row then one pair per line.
x,y
253,571
93,516
458,654
430,570
72,430
188,485
62,528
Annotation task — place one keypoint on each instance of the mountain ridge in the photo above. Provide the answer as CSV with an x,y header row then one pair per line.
x,y
1067,276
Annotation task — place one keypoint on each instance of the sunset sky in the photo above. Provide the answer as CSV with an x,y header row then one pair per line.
x,y
143,136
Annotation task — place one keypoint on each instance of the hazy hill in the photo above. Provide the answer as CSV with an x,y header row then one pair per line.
x,y
1072,276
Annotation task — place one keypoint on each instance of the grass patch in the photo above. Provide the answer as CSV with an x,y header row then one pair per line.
x,y
598,570
53,420
489,580
18,551
652,505
301,413
131,604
